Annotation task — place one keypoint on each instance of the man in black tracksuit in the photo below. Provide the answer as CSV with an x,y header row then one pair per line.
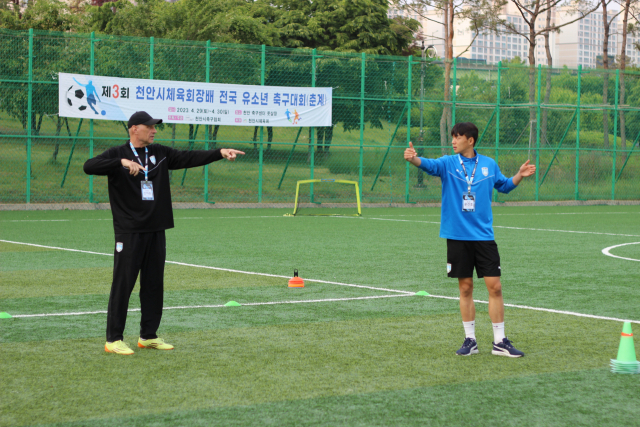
x,y
140,197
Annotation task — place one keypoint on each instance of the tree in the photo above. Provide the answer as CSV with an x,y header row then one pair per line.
x,y
349,26
605,116
340,25
481,15
606,22
623,64
47,15
43,15
222,21
531,10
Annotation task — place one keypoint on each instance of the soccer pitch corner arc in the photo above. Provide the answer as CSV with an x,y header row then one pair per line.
x,y
334,181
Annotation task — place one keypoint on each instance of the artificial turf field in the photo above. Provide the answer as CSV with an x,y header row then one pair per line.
x,y
327,354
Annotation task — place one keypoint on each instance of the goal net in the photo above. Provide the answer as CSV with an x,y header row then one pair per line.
x,y
327,197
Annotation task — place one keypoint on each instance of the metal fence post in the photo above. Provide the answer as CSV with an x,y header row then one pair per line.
x,y
453,92
207,131
577,189
91,71
261,155
360,165
151,52
29,115
407,166
615,138
312,130
498,97
538,112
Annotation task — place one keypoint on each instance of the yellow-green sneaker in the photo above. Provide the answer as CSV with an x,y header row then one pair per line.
x,y
157,343
118,347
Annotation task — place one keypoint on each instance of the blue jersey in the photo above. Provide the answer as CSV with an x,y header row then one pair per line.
x,y
454,223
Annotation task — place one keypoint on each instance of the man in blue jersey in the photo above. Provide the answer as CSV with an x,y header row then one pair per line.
x,y
468,179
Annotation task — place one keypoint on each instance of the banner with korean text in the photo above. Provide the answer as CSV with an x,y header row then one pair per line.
x,y
116,98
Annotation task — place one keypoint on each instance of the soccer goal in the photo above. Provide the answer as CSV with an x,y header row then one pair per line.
x,y
327,197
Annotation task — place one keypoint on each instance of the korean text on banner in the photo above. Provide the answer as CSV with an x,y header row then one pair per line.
x,y
116,98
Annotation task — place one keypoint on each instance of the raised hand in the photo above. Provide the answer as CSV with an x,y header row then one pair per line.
x,y
527,170
410,153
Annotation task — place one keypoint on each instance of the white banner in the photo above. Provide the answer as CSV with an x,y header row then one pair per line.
x,y
116,98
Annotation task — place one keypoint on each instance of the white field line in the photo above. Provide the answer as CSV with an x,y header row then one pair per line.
x,y
219,269
55,247
403,293
564,213
35,220
379,219
232,217
526,214
501,226
111,219
280,216
288,277
191,307
607,251
567,231
506,214
547,310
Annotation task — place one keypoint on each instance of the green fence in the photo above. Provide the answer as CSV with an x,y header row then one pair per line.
x,y
580,127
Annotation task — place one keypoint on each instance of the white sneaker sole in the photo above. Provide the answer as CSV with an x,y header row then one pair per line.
x,y
475,351
505,353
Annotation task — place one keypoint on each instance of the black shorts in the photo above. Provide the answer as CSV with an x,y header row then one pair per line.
x,y
463,256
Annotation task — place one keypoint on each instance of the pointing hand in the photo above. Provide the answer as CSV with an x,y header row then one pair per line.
x,y
230,154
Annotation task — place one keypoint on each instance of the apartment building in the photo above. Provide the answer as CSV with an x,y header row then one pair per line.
x,y
579,43
484,47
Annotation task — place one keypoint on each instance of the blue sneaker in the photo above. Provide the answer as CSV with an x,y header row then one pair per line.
x,y
469,347
505,348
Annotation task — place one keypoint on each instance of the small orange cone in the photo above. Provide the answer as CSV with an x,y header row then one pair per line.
x,y
295,281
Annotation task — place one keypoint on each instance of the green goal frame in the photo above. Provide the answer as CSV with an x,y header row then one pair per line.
x,y
338,181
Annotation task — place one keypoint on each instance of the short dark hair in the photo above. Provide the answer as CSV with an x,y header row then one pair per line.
x,y
467,129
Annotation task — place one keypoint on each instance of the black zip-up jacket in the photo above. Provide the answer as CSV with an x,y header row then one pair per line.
x,y
130,213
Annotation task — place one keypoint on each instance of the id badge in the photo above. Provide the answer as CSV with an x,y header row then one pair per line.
x,y
147,190
469,202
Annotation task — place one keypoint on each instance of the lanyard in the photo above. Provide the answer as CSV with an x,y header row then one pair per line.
x,y
466,177
146,152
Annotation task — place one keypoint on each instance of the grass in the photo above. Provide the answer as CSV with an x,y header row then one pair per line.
x,y
366,362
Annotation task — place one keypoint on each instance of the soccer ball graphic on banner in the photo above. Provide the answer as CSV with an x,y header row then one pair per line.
x,y
77,98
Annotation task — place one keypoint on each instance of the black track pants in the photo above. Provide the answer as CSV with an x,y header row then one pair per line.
x,y
135,253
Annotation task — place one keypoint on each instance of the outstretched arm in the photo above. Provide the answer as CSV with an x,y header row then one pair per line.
x,y
182,159
434,167
525,170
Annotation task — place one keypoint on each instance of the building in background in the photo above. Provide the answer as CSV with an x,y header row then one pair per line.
x,y
488,48
579,43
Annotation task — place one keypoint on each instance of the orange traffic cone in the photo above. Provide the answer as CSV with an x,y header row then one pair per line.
x,y
295,281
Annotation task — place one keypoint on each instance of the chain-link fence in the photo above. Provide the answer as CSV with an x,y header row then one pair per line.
x,y
580,127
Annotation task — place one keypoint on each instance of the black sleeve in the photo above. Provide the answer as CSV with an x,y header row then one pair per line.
x,y
180,159
104,163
